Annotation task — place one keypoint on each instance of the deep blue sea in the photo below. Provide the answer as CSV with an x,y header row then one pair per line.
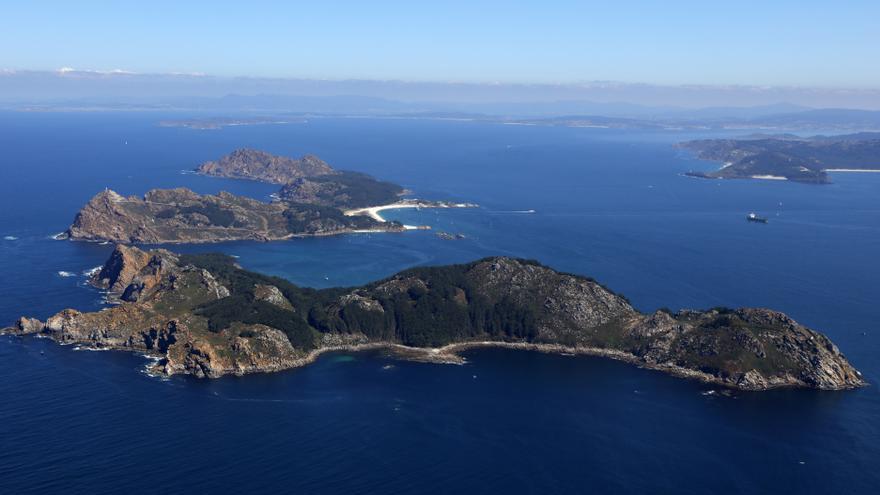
x,y
607,203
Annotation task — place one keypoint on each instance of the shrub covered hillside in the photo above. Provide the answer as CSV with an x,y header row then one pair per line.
x,y
204,315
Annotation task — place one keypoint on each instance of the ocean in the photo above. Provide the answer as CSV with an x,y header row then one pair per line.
x,y
605,203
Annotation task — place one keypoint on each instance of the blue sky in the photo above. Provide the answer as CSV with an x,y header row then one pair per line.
x,y
805,43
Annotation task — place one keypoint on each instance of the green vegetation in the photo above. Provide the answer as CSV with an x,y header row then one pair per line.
x,y
241,305
438,305
362,190
216,215
343,190
305,218
798,159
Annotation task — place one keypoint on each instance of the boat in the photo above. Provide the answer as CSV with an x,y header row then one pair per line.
x,y
752,217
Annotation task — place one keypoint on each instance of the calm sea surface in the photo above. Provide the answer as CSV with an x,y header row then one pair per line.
x,y
608,204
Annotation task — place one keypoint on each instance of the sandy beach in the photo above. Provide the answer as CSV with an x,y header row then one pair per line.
x,y
769,177
373,211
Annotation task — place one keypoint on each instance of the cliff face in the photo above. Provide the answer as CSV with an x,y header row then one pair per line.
x,y
181,215
265,167
202,315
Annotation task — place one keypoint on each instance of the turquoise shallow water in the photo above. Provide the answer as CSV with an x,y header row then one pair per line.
x,y
607,204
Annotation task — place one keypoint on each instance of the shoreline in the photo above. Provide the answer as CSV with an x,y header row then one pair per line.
x,y
768,177
373,211
267,238
447,354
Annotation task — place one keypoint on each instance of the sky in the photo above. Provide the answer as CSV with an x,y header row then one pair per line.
x,y
805,43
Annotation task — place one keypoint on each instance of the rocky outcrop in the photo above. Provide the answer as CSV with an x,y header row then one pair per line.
x,y
236,322
271,295
183,216
259,165
130,271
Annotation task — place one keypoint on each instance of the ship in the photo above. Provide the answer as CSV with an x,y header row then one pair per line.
x,y
752,217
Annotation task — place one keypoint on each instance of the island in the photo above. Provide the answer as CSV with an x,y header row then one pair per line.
x,y
183,216
788,157
315,200
217,123
246,163
205,316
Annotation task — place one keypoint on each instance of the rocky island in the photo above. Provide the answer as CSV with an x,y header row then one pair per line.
x,y
788,157
308,180
183,216
203,315
315,200
258,165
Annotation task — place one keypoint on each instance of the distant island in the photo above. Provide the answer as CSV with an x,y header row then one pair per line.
x,y
205,316
315,200
217,123
788,157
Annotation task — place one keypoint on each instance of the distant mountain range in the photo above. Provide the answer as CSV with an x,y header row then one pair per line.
x,y
640,105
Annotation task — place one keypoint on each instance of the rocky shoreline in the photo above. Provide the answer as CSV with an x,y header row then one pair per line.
x,y
204,316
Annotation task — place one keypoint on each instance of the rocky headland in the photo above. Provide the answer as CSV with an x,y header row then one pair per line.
x,y
205,316
788,157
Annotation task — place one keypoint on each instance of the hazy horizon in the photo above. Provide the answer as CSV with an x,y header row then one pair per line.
x,y
683,54
122,86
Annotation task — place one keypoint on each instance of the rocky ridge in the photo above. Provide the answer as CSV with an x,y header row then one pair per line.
x,y
203,315
259,165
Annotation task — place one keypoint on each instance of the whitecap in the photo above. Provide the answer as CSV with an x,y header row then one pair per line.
x,y
92,271
62,273
90,348
10,238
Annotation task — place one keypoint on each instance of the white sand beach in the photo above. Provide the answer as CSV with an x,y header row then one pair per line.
x,y
373,211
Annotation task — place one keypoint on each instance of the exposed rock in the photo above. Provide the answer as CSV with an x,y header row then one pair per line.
x,y
265,167
271,295
26,325
175,308
128,266
181,215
